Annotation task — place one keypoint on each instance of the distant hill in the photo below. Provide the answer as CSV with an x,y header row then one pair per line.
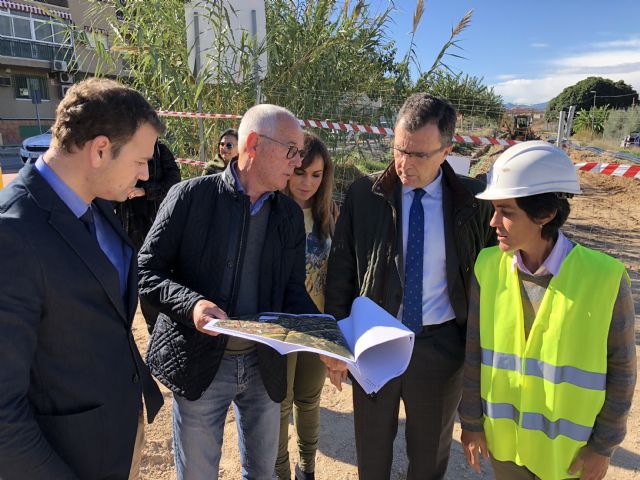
x,y
535,106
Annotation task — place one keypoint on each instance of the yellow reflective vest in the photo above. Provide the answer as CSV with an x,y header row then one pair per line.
x,y
541,395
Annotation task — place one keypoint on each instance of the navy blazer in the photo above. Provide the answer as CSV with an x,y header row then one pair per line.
x,y
71,376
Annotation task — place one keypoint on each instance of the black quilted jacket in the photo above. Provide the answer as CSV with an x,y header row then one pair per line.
x,y
181,263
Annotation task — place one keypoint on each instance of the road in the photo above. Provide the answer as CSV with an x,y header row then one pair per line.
x,y
10,162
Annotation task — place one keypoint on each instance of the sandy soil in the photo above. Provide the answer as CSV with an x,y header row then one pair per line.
x,y
606,217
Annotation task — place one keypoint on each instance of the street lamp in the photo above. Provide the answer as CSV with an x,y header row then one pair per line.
x,y
593,113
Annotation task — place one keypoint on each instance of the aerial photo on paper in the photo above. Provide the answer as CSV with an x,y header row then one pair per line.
x,y
316,331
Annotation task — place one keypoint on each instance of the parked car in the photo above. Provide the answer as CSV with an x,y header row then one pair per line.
x,y
33,147
631,140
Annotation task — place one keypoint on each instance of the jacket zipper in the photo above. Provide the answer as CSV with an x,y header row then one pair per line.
x,y
239,258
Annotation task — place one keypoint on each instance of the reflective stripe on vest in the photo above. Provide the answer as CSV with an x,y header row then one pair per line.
x,y
567,374
536,421
542,394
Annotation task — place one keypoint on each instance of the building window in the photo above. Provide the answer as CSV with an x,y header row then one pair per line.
x,y
31,26
96,38
5,26
26,85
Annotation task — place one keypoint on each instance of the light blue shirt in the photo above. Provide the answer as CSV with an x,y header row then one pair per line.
x,y
117,251
255,208
436,307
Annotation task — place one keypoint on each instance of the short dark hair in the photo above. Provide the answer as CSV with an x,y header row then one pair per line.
x,y
229,131
99,106
542,205
421,109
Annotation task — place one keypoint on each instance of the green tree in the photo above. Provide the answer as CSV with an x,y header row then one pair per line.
x,y
593,119
471,97
326,59
615,94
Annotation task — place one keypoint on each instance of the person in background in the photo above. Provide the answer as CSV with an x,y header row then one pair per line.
x,y
311,186
227,151
138,212
550,363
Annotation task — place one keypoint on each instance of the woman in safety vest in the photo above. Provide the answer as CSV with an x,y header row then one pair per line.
x,y
550,365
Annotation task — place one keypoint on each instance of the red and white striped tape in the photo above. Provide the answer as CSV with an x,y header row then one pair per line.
x,y
346,127
166,113
188,161
483,140
615,169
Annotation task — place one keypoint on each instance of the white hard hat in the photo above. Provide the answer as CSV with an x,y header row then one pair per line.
x,y
530,168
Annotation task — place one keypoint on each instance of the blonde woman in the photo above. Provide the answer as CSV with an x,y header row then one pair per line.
x,y
311,187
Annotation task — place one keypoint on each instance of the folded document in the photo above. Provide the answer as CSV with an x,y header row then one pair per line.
x,y
374,344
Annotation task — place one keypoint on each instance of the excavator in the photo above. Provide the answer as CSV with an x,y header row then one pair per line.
x,y
517,127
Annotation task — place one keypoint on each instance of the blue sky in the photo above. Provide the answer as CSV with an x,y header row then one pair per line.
x,y
529,50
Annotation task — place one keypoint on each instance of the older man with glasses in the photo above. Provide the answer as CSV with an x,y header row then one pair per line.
x,y
408,239
227,244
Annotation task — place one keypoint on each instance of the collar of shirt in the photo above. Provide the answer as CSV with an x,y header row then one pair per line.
x,y
70,198
434,189
552,263
255,208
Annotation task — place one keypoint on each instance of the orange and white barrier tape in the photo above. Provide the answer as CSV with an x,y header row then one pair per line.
x,y
345,127
615,169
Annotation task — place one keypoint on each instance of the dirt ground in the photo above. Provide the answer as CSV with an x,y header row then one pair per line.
x,y
607,217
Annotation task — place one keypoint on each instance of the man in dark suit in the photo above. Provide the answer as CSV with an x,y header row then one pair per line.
x,y
72,377
408,239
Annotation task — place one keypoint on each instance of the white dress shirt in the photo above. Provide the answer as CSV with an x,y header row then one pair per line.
x,y
436,307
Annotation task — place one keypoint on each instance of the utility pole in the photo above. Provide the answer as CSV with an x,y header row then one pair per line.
x,y
196,29
593,112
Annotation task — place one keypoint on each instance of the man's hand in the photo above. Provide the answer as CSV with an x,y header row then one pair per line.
x,y
337,370
204,312
474,444
136,192
593,465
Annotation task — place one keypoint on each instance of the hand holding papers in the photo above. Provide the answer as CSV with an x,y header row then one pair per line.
x,y
374,344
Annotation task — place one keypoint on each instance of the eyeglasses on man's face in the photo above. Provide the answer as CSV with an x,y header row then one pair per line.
x,y
292,149
417,155
227,145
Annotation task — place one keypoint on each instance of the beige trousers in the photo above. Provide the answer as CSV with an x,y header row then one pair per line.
x,y
134,473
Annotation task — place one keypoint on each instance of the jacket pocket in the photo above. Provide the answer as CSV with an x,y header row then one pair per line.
x,y
78,439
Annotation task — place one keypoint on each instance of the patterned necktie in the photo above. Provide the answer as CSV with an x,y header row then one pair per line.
x,y
412,303
87,219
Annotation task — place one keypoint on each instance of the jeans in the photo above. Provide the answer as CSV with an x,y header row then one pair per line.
x,y
198,426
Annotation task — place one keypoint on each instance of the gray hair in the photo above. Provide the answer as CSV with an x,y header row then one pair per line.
x,y
262,119
421,109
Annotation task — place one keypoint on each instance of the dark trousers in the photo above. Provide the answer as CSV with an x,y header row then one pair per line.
x,y
430,390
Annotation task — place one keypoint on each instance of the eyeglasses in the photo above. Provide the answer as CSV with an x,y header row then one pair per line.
x,y
418,155
292,149
227,145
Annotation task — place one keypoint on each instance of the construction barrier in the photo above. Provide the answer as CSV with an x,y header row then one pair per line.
x,y
615,169
344,127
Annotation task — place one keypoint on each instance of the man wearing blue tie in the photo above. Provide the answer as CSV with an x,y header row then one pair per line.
x,y
408,239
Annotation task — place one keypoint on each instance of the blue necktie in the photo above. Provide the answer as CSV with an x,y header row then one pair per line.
x,y
88,221
412,304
